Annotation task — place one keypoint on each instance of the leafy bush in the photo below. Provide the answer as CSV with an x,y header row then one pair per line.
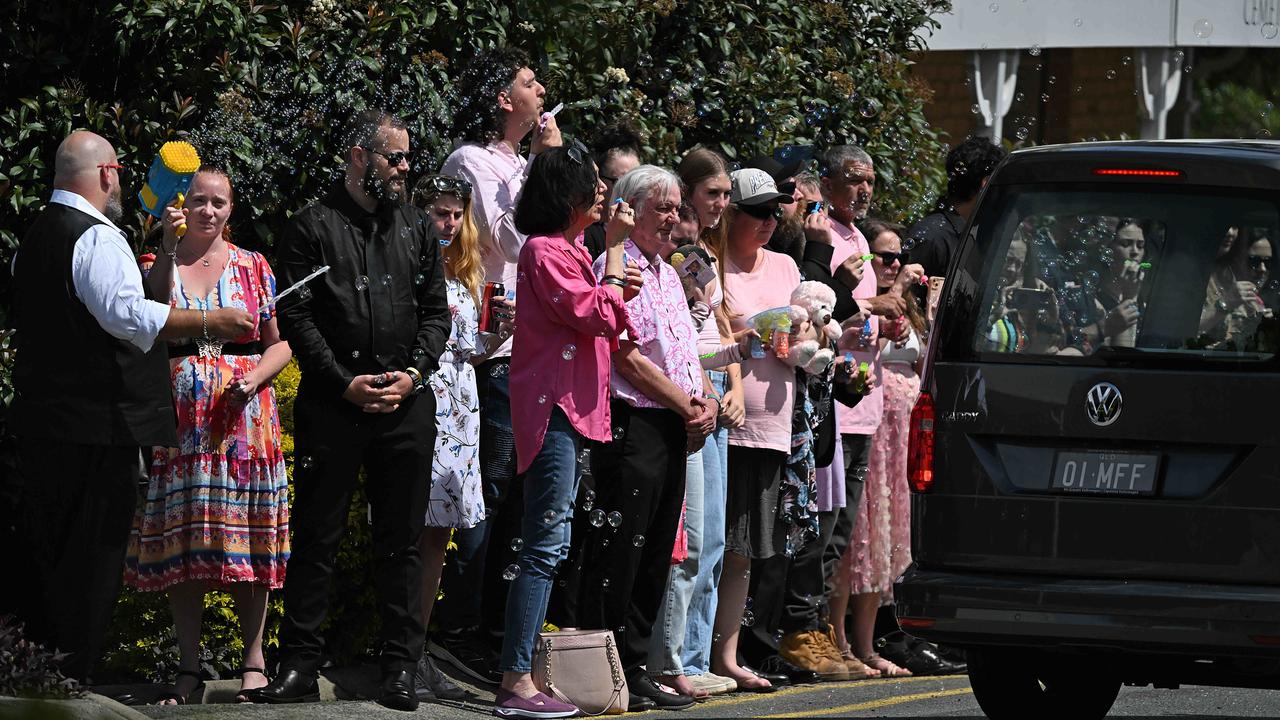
x,y
260,87
28,669
1228,109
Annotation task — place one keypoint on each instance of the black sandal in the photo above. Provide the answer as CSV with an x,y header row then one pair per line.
x,y
241,697
179,698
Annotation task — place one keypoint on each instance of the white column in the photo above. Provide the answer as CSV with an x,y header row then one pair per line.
x,y
1159,72
995,74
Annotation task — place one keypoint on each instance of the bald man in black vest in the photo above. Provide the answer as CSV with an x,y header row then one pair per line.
x,y
91,395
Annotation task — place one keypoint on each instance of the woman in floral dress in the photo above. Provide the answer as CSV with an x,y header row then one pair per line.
x,y
216,515
457,499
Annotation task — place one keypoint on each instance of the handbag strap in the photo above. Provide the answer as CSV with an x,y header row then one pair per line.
x,y
615,670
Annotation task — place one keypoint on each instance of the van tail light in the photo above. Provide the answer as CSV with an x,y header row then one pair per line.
x,y
920,444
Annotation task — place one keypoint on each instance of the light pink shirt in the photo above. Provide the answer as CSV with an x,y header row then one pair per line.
x,y
569,325
664,332
496,175
768,384
863,418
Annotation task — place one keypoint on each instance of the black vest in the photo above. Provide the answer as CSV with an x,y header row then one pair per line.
x,y
73,381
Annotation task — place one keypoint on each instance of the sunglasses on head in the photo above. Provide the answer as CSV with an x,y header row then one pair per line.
x,y
762,212
393,158
887,257
447,184
1257,261
577,152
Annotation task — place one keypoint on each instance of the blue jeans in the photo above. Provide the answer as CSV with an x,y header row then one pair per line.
x,y
701,617
550,485
666,644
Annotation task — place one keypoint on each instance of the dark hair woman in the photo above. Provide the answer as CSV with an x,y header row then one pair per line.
x,y
569,325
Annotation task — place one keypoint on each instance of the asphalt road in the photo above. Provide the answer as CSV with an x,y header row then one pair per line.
x,y
905,697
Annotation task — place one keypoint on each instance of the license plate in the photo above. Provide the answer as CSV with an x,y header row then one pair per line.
x,y
1118,473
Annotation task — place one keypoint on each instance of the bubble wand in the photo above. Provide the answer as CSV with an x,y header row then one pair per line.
x,y
296,286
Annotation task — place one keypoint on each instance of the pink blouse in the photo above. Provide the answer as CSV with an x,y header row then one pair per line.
x,y
568,324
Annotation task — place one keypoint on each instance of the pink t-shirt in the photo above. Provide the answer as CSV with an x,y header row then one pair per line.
x,y
863,418
768,384
569,324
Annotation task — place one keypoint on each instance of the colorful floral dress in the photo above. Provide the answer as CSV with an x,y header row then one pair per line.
x,y
457,500
217,506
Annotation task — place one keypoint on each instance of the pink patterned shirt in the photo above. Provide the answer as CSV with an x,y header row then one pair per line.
x,y
863,418
569,325
663,330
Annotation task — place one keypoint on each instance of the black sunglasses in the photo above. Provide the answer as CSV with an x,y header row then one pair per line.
x,y
577,152
762,212
887,257
394,158
446,184
1257,261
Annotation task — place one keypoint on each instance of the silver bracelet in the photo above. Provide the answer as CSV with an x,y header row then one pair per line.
x,y
611,280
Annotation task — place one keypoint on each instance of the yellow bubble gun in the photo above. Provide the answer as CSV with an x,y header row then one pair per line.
x,y
774,327
169,178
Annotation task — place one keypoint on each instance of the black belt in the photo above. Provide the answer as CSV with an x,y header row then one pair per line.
x,y
189,349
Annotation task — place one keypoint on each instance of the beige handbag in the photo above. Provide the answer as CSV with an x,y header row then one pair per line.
x,y
582,667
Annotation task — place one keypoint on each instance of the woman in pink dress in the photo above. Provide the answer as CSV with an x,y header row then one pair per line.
x,y
568,325
880,550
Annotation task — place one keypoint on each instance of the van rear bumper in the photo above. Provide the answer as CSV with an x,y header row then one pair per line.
x,y
1179,618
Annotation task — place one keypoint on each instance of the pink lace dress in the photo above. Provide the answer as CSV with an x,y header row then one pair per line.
x,y
881,548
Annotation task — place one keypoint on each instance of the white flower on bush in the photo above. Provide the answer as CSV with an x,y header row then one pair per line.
x,y
525,26
322,12
616,75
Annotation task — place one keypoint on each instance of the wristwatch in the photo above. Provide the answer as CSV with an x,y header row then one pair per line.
x,y
419,383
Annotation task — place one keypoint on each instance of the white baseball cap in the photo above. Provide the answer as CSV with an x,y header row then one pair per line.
x,y
753,186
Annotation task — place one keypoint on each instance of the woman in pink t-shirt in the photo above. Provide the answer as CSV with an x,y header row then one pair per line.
x,y
755,279
568,325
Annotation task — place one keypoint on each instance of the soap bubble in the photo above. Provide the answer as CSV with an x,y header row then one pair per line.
x,y
542,399
1022,133
615,519
637,540
355,354
512,572
548,517
1270,30
994,7
569,351
517,544
362,283
1079,22
1034,50
869,108
1111,74
596,518
1203,28
748,619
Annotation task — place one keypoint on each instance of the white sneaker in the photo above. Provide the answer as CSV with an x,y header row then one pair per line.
x,y
713,684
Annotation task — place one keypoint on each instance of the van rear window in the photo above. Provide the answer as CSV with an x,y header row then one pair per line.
x,y
1069,271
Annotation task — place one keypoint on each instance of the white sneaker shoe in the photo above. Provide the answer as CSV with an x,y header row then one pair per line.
x,y
713,684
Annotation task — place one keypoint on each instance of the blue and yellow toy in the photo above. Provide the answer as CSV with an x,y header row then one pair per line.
x,y
168,179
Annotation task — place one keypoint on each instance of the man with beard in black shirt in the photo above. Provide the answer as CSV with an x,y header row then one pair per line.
x,y
367,334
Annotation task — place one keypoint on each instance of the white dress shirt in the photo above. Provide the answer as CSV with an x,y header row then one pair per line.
x,y
105,275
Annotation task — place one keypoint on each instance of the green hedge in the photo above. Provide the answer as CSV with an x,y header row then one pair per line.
x,y
260,88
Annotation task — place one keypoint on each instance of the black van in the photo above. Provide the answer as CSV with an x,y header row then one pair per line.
x,y
1094,464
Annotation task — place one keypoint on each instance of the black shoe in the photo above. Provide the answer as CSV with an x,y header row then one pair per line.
x,y
639,703
644,686
430,683
795,675
397,691
290,686
918,656
468,653
775,679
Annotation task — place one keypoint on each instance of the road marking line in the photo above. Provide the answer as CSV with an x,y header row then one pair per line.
x,y
873,704
718,701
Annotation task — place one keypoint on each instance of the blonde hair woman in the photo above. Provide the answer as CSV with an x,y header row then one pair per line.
x,y
457,500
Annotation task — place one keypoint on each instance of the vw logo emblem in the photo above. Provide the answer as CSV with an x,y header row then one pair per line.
x,y
1103,403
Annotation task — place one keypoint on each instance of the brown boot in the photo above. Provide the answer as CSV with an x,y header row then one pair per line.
x,y
811,650
857,669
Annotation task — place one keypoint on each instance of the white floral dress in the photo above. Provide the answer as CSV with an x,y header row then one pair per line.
x,y
457,500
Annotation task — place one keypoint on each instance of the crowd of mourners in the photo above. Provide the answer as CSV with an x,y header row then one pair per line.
x,y
670,403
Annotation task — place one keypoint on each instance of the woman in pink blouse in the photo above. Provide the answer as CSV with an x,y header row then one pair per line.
x,y
569,324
